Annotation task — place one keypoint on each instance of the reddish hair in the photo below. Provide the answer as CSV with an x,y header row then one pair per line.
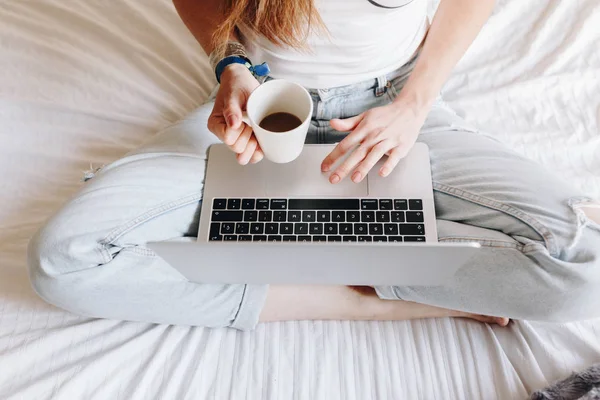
x,y
283,22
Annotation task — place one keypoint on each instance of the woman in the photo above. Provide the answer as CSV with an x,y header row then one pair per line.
x,y
374,69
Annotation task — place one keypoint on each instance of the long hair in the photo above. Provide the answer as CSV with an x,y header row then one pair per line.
x,y
283,22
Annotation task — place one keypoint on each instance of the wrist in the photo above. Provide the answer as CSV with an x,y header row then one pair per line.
x,y
235,71
417,101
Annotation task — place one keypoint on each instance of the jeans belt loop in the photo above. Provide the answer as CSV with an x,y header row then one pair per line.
x,y
382,86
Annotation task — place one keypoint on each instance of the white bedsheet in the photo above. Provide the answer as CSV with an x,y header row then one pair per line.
x,y
83,82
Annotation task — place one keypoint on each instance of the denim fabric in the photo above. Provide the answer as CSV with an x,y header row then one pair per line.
x,y
540,258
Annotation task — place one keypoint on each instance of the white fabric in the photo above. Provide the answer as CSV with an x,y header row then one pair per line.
x,y
84,82
362,41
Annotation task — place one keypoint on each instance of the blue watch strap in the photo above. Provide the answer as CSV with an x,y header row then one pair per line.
x,y
256,70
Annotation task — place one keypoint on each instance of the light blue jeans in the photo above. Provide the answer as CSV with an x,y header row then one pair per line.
x,y
540,257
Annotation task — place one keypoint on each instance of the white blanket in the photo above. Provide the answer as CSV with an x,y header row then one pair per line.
x,y
83,82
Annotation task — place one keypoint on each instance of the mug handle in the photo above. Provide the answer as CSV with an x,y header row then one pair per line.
x,y
246,119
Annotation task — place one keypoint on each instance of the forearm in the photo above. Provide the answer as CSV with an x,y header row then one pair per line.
x,y
454,27
202,18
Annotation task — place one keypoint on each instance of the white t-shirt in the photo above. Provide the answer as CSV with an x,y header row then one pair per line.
x,y
365,41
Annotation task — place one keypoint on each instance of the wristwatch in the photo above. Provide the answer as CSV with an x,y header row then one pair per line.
x,y
257,71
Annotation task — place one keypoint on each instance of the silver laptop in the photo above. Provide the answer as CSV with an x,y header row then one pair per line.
x,y
286,224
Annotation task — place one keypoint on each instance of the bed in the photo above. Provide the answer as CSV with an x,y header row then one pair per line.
x,y
82,83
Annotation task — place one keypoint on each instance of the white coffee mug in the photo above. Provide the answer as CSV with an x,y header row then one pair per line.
x,y
279,96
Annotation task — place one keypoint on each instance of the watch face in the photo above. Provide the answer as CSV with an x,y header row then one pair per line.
x,y
390,3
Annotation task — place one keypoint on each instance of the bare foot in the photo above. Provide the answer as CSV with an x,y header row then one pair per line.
x,y
502,321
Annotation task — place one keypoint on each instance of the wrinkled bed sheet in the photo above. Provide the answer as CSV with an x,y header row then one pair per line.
x,y
82,83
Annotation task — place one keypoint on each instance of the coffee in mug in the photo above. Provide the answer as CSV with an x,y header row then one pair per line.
x,y
280,122
279,113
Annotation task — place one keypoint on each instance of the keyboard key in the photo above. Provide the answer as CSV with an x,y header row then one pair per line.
x,y
382,216
395,239
242,228
279,216
323,204
294,216
380,239
265,216
316,228
349,239
230,238
375,229
219,204
226,216
274,238
414,238
250,216
365,239
286,229
400,204
334,238
360,229
304,238
215,229
346,229
338,216
234,204
331,229
289,238
369,204
227,228
259,238
244,238
262,204
257,228
272,228
278,204
319,238
390,229
367,216
323,216
414,216
397,216
385,204
412,229
300,228
309,216
248,204
353,216
215,238
415,204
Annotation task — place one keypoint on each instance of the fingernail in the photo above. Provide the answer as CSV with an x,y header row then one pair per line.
x,y
324,167
335,178
384,171
357,176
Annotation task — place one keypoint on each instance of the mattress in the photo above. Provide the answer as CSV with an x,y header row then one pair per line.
x,y
82,83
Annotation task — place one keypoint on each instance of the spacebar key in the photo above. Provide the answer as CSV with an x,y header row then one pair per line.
x,y
323,204
226,216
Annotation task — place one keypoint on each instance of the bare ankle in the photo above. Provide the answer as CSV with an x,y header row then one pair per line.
x,y
592,212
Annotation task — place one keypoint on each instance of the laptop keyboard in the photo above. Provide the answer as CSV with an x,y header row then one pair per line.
x,y
317,220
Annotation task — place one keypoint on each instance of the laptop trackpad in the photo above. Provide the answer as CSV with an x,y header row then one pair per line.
x,y
303,177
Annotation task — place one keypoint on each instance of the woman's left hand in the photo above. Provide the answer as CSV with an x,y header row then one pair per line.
x,y
390,129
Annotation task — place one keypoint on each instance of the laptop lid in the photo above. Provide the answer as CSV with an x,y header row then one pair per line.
x,y
316,263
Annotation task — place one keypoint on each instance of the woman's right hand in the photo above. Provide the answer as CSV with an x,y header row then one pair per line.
x,y
225,121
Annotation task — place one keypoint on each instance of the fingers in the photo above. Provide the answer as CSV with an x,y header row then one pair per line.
x,y
245,157
345,168
242,142
369,161
232,110
347,124
343,147
257,156
394,158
